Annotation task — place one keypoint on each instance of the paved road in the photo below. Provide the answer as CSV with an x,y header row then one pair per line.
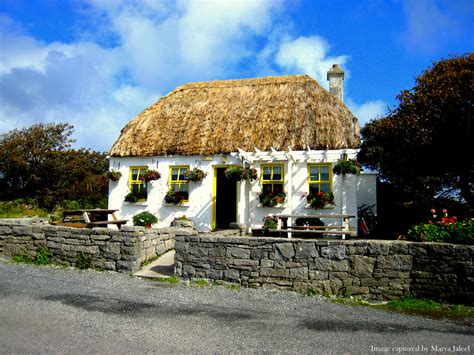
x,y
45,309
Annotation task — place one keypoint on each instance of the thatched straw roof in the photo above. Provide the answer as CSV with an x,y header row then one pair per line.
x,y
221,116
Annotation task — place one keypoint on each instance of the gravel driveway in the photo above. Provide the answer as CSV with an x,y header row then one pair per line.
x,y
46,309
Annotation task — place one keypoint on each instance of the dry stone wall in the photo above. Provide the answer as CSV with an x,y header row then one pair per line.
x,y
372,269
123,250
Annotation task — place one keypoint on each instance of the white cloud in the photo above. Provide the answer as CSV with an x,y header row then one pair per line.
x,y
367,110
308,55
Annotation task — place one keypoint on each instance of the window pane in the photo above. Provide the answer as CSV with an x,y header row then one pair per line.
x,y
135,174
313,189
277,188
267,173
174,174
276,173
266,188
182,171
324,173
184,187
324,187
313,173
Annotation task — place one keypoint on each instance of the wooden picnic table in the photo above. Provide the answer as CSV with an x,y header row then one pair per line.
x,y
92,217
285,225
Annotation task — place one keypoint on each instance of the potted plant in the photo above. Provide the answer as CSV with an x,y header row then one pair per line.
x,y
320,199
271,199
113,175
176,197
270,222
239,173
151,175
144,219
344,167
195,175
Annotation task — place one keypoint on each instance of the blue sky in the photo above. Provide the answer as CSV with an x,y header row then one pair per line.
x,y
98,63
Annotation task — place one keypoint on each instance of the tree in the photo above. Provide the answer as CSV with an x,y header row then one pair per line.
x,y
37,162
424,147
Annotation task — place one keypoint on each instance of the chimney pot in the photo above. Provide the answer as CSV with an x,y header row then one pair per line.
x,y
335,77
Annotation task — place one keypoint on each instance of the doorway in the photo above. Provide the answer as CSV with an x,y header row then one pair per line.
x,y
225,202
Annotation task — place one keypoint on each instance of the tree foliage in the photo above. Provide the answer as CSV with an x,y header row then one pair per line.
x,y
424,147
37,163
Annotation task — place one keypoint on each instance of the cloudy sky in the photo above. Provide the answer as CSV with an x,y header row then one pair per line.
x,y
98,63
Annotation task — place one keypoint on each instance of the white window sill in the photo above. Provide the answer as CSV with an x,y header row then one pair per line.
x,y
183,204
280,205
144,203
327,207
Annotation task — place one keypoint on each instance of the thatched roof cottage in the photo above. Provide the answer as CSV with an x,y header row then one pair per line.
x,y
284,133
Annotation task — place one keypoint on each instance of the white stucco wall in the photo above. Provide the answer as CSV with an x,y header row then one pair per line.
x,y
199,208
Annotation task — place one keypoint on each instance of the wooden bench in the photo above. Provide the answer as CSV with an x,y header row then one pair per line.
x,y
89,217
344,230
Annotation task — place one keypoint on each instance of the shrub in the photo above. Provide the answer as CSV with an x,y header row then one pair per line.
x,y
83,261
239,173
443,229
144,218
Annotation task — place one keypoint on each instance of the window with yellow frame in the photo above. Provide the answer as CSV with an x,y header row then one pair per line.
x,y
177,182
137,182
272,178
319,178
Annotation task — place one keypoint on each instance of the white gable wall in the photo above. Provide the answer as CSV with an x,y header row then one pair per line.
x,y
200,209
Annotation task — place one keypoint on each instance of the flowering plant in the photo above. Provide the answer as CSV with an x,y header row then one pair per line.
x,y
195,175
113,175
150,175
350,166
320,199
144,218
443,229
239,173
271,199
176,197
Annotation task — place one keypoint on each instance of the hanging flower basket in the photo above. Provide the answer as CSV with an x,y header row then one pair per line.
x,y
113,175
176,197
320,199
271,199
344,167
239,173
151,175
195,175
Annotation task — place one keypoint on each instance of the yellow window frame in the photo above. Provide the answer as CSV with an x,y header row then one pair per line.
x,y
178,182
318,182
272,181
140,183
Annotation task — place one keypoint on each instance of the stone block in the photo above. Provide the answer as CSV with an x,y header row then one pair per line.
x,y
357,290
321,286
337,252
188,271
266,263
362,266
318,275
273,272
372,281
88,249
378,248
338,275
246,262
329,265
110,265
258,254
277,281
395,262
112,248
129,250
232,275
300,273
306,250
238,252
127,266
285,250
